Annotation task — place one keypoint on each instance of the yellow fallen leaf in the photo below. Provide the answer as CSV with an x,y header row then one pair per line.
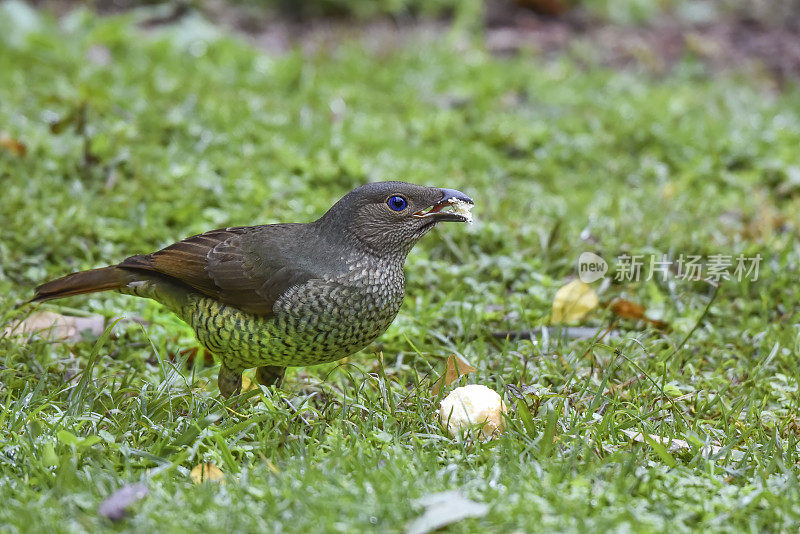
x,y
248,384
207,472
572,302
456,366
56,327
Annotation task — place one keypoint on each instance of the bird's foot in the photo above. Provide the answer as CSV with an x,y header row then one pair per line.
x,y
229,381
270,375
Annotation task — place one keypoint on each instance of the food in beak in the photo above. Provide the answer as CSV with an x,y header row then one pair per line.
x,y
462,208
461,211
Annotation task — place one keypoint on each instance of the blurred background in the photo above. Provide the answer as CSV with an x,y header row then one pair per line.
x,y
653,34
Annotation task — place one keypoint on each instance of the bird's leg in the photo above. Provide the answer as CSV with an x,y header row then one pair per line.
x,y
229,381
270,375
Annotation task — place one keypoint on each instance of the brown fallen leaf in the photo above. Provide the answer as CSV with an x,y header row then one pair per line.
x,y
56,327
572,302
207,472
456,366
13,145
631,310
627,309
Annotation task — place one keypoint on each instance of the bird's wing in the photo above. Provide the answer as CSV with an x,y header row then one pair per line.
x,y
230,265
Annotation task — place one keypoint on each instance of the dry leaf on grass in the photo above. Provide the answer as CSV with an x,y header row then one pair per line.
x,y
116,505
207,472
456,366
56,327
572,302
13,145
442,509
248,384
627,309
631,310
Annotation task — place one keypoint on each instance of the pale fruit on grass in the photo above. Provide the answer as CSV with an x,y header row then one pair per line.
x,y
471,406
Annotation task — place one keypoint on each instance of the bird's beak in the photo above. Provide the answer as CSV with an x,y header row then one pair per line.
x,y
451,198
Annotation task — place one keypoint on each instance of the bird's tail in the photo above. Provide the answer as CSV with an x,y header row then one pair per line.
x,y
103,279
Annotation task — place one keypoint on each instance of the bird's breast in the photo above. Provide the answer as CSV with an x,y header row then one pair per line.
x,y
321,320
335,316
366,294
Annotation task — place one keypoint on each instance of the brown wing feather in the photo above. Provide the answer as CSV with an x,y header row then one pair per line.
x,y
223,265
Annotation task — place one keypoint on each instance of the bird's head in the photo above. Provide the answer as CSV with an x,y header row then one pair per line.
x,y
390,217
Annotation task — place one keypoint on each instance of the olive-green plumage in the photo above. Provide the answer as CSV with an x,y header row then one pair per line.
x,y
288,294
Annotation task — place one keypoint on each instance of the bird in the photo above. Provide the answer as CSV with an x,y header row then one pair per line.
x,y
289,294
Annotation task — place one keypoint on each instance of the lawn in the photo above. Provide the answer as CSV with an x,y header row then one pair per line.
x,y
118,140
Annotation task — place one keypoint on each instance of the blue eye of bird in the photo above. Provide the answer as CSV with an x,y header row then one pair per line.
x,y
397,203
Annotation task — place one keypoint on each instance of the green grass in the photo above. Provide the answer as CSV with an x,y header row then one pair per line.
x,y
185,130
